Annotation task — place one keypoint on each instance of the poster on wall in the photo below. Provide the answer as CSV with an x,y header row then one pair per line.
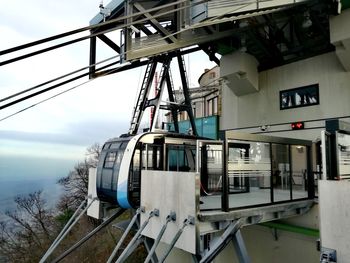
x,y
299,97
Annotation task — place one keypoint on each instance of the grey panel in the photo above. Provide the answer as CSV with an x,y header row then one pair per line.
x,y
170,191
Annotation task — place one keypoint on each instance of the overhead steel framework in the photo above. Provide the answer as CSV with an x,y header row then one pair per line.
x,y
274,32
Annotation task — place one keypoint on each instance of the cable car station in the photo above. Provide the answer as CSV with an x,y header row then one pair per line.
x,y
271,182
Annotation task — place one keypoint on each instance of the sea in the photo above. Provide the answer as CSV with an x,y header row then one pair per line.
x,y
24,175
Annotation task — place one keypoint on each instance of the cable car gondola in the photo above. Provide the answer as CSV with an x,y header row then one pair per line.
x,y
122,159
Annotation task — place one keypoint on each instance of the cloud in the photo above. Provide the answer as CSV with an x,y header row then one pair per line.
x,y
81,133
95,111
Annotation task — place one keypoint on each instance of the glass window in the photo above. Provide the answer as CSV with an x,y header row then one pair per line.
x,y
107,179
199,109
115,145
106,146
212,106
213,183
110,158
177,158
249,173
135,170
281,179
215,106
343,150
299,172
154,154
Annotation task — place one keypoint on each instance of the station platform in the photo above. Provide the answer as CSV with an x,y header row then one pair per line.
x,y
259,214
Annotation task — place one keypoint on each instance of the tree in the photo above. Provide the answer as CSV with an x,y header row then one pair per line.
x,y
32,227
75,184
29,230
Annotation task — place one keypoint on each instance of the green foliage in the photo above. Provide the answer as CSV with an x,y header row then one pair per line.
x,y
64,217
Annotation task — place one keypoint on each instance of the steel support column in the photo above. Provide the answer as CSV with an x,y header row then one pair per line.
x,y
240,248
186,93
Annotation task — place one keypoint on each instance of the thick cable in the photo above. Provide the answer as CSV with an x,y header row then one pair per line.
x,y
4,106
104,74
40,85
60,77
68,74
42,101
82,29
54,86
28,55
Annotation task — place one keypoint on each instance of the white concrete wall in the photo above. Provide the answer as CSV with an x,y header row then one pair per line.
x,y
335,217
263,107
240,71
340,37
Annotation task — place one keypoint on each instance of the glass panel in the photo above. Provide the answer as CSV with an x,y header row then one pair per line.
x,y
110,158
135,170
115,145
199,110
206,127
177,159
215,106
214,168
210,162
299,172
281,172
249,173
210,108
154,160
107,179
116,169
106,146
343,155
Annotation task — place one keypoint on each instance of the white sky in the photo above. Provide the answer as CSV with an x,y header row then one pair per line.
x,y
64,126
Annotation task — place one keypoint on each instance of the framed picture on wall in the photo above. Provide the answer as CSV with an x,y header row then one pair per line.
x,y
299,97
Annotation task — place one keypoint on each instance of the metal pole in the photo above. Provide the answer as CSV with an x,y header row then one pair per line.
x,y
186,93
49,252
240,248
170,217
225,238
225,184
70,220
126,232
88,236
187,221
155,212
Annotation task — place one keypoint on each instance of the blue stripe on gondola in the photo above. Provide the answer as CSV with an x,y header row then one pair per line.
x,y
122,194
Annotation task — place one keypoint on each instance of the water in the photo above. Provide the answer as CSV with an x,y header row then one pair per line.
x,y
10,189
21,175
